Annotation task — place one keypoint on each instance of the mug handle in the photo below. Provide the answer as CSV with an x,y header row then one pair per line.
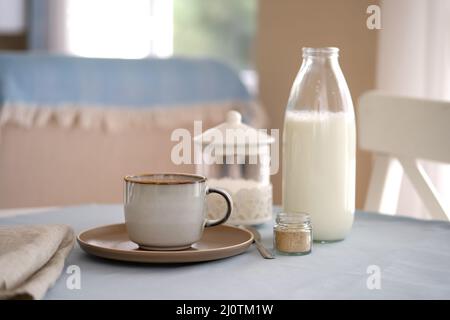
x,y
226,196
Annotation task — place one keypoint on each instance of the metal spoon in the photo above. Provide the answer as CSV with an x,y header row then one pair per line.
x,y
257,240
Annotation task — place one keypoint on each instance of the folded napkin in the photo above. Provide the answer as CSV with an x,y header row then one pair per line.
x,y
32,258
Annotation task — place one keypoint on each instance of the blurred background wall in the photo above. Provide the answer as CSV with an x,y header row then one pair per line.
x,y
265,46
15,42
287,26
13,25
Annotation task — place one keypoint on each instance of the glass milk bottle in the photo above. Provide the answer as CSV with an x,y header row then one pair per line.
x,y
319,146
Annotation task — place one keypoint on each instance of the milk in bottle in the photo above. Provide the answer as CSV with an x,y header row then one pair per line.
x,y
319,146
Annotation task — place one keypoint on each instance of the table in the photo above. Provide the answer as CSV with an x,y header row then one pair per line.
x,y
411,258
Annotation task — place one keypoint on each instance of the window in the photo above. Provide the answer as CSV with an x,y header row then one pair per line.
x,y
119,28
216,28
12,16
142,28
221,29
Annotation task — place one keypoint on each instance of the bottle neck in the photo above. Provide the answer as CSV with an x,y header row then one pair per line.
x,y
320,84
321,56
321,61
321,52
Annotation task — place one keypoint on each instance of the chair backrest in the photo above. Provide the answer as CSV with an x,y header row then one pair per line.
x,y
405,129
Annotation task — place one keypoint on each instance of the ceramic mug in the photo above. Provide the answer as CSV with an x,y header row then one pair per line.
x,y
167,211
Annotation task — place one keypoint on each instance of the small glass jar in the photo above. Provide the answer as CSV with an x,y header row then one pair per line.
x,y
292,233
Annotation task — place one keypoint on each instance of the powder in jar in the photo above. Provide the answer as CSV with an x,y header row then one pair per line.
x,y
293,234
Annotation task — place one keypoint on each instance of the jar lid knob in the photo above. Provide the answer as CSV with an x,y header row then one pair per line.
x,y
234,117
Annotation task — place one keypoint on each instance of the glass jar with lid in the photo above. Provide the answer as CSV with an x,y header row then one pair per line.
x,y
292,233
236,158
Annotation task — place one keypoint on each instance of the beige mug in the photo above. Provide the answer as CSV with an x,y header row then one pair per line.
x,y
167,211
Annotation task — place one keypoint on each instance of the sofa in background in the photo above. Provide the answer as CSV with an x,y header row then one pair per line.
x,y
71,128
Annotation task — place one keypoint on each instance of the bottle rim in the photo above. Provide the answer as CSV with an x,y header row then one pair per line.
x,y
323,52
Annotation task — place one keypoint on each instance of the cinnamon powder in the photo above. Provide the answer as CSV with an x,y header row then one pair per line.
x,y
292,240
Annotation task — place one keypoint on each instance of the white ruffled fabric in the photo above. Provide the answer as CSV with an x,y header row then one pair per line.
x,y
119,118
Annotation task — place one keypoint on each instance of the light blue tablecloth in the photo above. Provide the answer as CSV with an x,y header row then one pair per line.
x,y
413,258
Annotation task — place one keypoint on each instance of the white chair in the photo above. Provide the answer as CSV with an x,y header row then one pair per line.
x,y
403,130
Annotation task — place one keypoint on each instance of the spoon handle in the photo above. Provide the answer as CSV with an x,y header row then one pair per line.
x,y
263,250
